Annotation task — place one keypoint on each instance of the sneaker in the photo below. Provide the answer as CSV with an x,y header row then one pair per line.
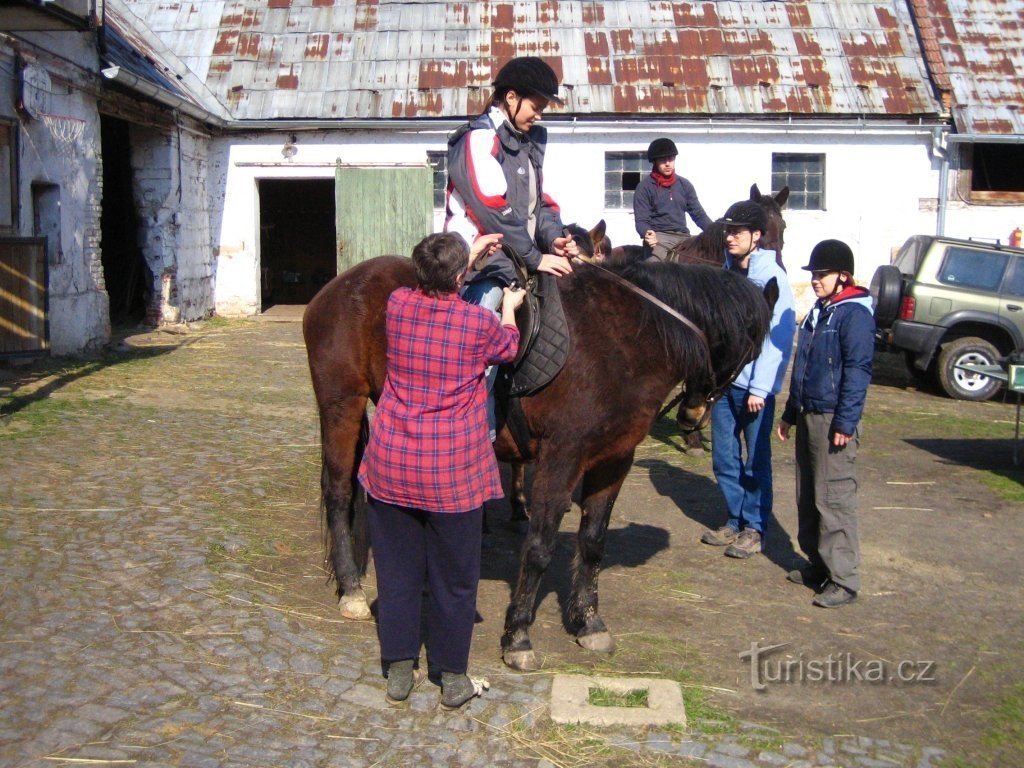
x,y
834,595
747,543
721,537
809,576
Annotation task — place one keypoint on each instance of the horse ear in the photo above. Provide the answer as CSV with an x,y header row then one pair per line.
x,y
597,233
782,197
755,193
771,293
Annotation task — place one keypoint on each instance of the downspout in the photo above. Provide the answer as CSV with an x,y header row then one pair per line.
x,y
940,150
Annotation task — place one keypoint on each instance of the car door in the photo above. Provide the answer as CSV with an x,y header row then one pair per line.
x,y
1011,305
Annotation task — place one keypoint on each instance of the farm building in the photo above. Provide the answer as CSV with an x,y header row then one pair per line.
x,y
165,161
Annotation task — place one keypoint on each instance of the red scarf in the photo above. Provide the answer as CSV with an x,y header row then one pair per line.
x,y
664,181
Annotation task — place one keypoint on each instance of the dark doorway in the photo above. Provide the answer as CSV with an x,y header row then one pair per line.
x,y
297,240
127,277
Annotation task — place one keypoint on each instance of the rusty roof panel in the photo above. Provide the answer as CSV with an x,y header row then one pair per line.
x,y
975,53
371,59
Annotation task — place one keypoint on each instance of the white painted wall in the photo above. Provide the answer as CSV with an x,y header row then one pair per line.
x,y
881,185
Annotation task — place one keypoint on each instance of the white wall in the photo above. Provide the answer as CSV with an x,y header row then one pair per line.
x,y
881,185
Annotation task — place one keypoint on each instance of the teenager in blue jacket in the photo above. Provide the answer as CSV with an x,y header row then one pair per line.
x,y
743,416
831,374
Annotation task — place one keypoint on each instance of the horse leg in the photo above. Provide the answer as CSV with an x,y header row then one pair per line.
x,y
552,498
520,513
601,487
342,451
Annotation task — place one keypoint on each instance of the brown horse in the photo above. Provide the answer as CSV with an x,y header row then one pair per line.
x,y
583,427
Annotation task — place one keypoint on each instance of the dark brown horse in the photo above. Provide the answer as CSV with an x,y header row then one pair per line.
x,y
583,427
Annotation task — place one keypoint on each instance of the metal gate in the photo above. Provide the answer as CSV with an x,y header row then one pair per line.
x,y
23,281
381,210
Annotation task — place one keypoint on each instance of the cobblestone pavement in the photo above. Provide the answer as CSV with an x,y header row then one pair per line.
x,y
162,605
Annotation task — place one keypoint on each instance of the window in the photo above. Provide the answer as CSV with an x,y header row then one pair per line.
x,y
1015,280
804,174
994,172
439,162
8,177
622,174
968,268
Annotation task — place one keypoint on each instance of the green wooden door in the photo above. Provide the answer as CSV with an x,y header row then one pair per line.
x,y
381,211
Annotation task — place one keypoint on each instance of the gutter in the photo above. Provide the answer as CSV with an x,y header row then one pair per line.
x,y
121,76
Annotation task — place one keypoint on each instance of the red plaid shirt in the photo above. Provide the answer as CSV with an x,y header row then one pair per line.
x,y
429,446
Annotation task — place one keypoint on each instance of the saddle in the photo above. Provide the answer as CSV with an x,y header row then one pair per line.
x,y
544,342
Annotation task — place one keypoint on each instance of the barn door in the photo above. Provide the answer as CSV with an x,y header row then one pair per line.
x,y
23,295
381,210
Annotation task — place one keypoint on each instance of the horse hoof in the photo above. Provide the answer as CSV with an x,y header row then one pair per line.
x,y
523,661
355,607
602,642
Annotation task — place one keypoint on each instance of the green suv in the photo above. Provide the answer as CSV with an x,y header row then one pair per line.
x,y
945,302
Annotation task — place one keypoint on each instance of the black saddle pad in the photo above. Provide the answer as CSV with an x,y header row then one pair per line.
x,y
544,337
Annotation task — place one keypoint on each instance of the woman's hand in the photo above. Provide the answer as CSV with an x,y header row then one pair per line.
x,y
483,247
566,246
555,265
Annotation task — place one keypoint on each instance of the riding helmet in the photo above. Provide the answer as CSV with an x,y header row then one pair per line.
x,y
661,148
745,213
832,255
528,76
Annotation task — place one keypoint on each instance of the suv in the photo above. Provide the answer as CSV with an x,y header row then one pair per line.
x,y
944,302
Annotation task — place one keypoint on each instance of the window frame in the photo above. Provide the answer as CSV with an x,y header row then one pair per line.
x,y
966,178
799,192
621,199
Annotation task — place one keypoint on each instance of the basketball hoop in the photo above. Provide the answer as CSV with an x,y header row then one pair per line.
x,y
66,132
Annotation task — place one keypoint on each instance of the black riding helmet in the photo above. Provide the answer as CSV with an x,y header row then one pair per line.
x,y
745,213
527,76
661,148
831,255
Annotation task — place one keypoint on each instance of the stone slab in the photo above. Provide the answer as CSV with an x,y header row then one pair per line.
x,y
570,703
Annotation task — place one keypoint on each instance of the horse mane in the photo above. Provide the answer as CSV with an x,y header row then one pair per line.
x,y
722,303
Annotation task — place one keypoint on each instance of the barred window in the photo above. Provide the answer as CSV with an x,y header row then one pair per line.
x,y
804,174
439,162
622,174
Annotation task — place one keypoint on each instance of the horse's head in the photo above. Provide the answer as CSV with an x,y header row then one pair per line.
x,y
695,407
589,242
775,235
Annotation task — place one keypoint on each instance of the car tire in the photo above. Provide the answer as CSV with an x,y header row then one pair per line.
x,y
887,291
963,385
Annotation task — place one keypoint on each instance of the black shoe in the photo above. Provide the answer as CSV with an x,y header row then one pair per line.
x,y
834,595
810,576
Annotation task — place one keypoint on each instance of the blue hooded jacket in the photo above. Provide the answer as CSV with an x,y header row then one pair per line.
x,y
764,376
834,353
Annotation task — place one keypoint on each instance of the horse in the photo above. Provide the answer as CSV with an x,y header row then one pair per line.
x,y
583,427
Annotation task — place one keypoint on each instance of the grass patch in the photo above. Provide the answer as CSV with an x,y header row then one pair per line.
x,y
1006,734
604,697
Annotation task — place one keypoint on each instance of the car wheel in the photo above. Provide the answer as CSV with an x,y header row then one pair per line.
x,y
887,291
964,385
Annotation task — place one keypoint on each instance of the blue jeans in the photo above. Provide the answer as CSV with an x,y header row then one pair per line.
x,y
487,292
746,484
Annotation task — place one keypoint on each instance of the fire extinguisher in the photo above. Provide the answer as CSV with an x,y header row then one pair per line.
x,y
1015,238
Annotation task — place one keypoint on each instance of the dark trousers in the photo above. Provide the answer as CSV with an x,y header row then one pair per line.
x,y
826,499
411,548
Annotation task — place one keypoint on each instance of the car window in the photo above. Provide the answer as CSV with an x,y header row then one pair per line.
x,y
970,268
909,257
1014,284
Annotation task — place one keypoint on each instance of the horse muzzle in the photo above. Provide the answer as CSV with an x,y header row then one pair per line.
x,y
693,418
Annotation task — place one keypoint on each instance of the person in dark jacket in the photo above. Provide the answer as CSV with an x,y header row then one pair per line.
x,y
829,384
496,186
662,200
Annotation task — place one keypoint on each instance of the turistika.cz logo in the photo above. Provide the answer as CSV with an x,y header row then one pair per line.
x,y
834,669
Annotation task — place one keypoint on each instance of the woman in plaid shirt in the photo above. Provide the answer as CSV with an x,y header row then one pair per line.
x,y
429,465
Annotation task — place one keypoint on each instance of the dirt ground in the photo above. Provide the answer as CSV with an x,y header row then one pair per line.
x,y
925,657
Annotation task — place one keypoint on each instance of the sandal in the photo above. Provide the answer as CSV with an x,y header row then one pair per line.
x,y
457,689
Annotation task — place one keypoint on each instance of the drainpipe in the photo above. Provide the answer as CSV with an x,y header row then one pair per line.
x,y
128,80
940,150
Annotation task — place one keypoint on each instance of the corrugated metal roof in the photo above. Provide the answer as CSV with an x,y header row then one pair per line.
x,y
975,51
373,59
